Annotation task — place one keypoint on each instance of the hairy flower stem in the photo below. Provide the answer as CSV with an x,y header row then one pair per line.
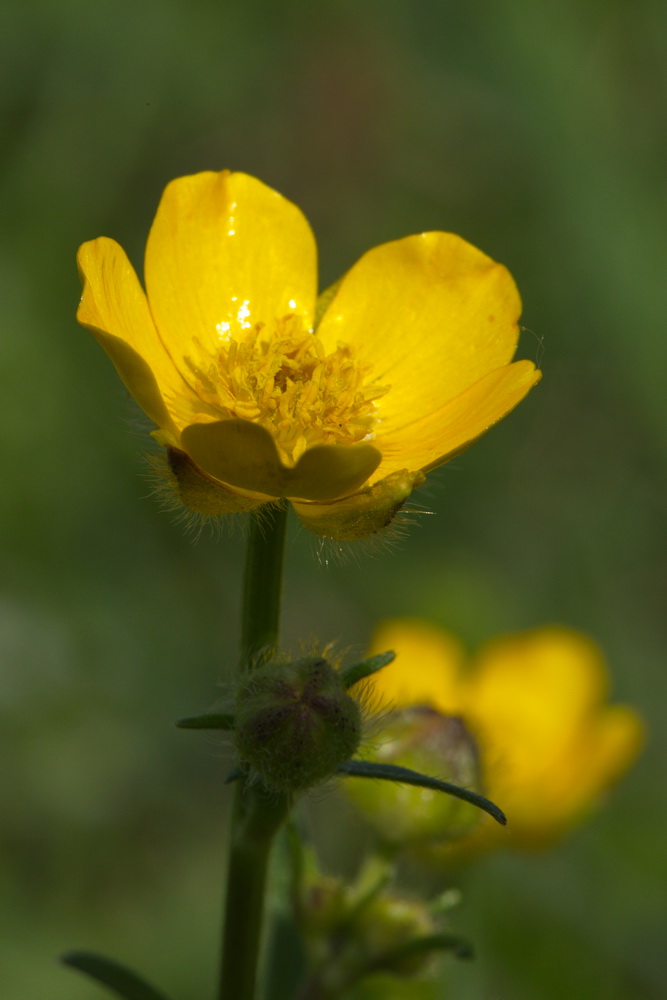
x,y
256,813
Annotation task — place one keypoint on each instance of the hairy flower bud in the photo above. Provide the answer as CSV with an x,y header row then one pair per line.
x,y
295,723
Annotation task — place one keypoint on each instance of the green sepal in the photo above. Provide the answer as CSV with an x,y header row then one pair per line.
x,y
114,976
363,513
360,671
393,772
211,720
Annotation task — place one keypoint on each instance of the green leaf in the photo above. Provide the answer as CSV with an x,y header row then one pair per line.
x,y
393,772
116,977
360,671
209,721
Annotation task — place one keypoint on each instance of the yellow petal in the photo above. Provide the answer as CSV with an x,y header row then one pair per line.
x,y
614,740
542,801
544,796
431,314
427,668
534,703
200,493
224,253
243,454
113,307
363,513
536,688
436,438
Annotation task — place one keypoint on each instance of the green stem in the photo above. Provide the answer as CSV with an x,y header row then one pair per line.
x,y
256,813
256,817
262,584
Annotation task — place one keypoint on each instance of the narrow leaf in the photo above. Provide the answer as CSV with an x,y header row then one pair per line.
x,y
359,671
114,976
393,772
209,721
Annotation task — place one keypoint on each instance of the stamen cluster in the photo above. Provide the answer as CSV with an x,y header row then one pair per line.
x,y
290,385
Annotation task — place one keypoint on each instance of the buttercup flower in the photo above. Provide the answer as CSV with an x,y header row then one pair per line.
x,y
259,390
535,703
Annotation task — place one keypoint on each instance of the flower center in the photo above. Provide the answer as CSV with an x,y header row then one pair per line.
x,y
288,383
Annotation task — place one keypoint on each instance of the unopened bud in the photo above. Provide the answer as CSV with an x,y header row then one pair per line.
x,y
383,929
426,741
295,723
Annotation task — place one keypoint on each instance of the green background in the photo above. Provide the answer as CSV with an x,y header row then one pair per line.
x,y
536,131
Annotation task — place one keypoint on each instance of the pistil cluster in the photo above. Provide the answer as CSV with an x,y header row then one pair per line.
x,y
289,384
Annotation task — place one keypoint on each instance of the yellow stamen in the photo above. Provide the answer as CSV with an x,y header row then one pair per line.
x,y
289,384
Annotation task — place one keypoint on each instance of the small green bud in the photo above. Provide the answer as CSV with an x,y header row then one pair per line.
x,y
366,927
295,723
386,926
431,743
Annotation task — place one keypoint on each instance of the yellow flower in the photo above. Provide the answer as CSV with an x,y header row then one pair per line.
x,y
259,390
536,704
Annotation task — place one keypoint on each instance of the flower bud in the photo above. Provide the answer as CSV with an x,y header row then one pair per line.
x,y
368,928
295,723
387,924
426,741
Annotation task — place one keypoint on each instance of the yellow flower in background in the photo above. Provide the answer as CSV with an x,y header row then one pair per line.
x,y
536,705
259,390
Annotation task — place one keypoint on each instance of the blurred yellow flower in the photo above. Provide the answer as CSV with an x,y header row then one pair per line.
x,y
260,390
536,705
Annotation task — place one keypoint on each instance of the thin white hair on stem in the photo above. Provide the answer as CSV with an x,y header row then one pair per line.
x,y
163,488
540,345
136,420
193,523
220,743
262,514
374,710
339,552
330,551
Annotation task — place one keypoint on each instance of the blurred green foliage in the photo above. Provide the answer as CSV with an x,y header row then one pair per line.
x,y
536,131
